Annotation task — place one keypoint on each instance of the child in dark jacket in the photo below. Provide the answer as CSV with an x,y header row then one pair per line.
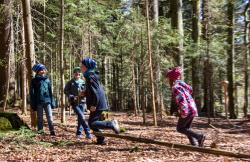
x,y
182,94
73,90
96,100
41,97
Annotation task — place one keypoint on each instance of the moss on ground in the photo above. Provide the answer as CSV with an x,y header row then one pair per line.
x,y
5,124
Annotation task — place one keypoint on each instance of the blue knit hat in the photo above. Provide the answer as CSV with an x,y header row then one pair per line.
x,y
89,63
38,67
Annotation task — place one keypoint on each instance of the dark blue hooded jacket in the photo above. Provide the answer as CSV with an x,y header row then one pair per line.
x,y
40,91
95,95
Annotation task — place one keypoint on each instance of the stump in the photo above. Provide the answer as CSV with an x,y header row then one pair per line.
x,y
14,119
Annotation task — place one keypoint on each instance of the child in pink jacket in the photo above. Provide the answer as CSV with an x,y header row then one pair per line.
x,y
182,94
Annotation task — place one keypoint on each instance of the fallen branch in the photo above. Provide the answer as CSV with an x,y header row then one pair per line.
x,y
238,131
174,145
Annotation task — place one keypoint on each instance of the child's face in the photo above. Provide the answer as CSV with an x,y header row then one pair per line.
x,y
77,74
42,72
83,67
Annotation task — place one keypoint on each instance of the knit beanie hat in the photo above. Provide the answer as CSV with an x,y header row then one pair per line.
x,y
89,63
38,67
174,73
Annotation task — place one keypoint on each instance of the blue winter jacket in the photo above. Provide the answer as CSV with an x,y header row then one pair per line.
x,y
95,95
40,92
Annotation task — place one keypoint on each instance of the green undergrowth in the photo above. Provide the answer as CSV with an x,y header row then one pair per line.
x,y
24,137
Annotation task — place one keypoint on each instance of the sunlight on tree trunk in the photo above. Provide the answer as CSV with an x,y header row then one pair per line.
x,y
150,64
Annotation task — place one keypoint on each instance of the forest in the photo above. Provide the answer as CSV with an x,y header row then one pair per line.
x,y
134,44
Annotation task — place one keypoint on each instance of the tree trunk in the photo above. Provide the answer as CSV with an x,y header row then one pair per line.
x,y
208,106
12,68
29,46
150,64
157,68
196,76
62,62
246,41
175,145
134,84
177,24
5,40
230,59
23,72
142,88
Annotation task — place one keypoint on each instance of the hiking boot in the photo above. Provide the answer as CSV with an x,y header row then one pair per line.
x,y
201,140
116,127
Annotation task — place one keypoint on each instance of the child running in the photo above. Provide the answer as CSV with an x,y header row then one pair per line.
x,y
96,100
182,94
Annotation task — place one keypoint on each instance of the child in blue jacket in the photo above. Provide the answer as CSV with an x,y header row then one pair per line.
x,y
41,98
96,100
73,90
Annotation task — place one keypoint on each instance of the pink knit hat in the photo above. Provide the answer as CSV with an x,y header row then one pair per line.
x,y
174,73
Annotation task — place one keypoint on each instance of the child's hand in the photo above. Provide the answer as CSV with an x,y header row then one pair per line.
x,y
82,94
92,109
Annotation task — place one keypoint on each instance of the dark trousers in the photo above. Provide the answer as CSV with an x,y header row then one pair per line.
x,y
96,124
184,127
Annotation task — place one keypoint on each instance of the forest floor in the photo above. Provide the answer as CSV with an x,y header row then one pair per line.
x,y
26,145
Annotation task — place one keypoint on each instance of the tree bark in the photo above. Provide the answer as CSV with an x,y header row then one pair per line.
x,y
176,146
196,76
246,57
208,106
5,40
177,24
23,72
29,46
62,62
230,59
150,63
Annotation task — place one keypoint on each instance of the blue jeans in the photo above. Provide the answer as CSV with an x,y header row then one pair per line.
x,y
96,124
81,123
48,112
184,127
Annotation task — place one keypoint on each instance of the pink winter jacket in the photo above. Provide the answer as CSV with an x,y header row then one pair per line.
x,y
183,97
